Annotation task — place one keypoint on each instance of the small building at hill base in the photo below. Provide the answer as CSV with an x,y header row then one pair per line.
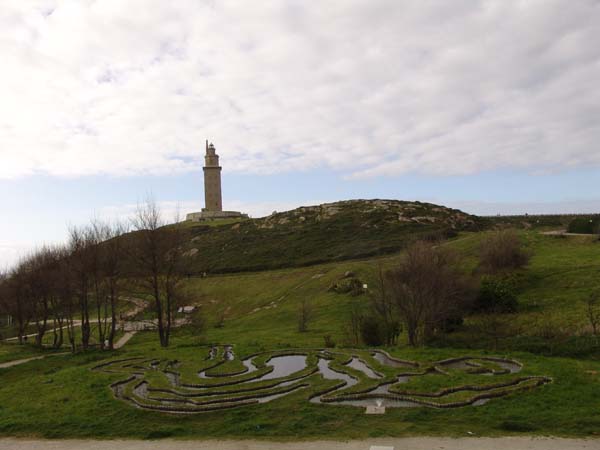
x,y
213,201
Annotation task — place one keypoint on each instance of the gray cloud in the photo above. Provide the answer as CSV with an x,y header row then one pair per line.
x,y
369,88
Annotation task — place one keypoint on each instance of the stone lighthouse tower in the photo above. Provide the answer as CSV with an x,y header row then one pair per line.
x,y
213,204
212,180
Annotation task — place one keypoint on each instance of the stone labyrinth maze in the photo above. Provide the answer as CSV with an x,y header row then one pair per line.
x,y
332,377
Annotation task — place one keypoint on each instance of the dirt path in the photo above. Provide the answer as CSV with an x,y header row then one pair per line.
x,y
504,443
124,339
16,362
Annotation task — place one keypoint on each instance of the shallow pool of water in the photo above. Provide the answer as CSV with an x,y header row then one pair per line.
x,y
387,361
248,364
357,364
284,366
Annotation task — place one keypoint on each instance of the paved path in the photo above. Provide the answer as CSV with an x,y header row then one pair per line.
x,y
76,323
564,233
505,443
124,339
16,362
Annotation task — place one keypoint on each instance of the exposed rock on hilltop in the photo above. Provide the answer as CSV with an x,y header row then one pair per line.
x,y
315,234
372,213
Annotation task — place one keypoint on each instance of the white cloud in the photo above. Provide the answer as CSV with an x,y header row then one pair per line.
x,y
367,87
11,252
173,210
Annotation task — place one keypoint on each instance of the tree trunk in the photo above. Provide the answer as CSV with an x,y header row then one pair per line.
x,y
113,315
85,320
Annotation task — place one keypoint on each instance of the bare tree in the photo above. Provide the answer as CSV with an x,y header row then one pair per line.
x,y
157,257
352,329
427,289
496,326
42,267
382,303
57,302
46,264
112,265
67,296
82,264
592,311
96,233
305,314
106,261
5,297
18,298
502,250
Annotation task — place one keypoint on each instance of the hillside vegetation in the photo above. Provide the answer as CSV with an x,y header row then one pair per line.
x,y
316,234
58,396
257,311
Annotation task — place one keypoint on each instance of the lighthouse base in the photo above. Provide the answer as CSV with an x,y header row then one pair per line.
x,y
215,215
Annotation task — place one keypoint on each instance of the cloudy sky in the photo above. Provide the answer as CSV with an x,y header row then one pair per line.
x,y
489,106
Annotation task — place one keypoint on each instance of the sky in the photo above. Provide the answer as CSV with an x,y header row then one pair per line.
x,y
488,106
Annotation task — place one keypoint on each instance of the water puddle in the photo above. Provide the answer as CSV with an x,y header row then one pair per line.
x,y
471,363
284,366
510,366
391,362
330,374
249,364
357,364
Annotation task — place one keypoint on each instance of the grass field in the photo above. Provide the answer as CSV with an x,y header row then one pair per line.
x,y
62,397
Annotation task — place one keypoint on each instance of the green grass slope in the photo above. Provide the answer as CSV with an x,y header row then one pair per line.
x,y
316,234
62,397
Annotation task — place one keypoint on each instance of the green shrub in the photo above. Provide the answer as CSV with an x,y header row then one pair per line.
x,y
502,251
352,286
584,225
371,331
329,342
497,294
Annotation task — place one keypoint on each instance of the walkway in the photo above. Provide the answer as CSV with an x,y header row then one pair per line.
x,y
124,339
564,233
16,362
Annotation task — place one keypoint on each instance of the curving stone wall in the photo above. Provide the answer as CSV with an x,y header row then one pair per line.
x,y
330,377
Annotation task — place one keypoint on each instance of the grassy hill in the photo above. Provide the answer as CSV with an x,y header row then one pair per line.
x,y
317,234
62,397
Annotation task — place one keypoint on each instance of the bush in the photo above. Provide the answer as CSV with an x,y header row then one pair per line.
x,y
353,286
584,225
502,251
497,294
453,322
371,331
197,322
329,343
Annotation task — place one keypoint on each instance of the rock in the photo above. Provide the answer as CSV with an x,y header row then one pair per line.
x,y
424,219
191,252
